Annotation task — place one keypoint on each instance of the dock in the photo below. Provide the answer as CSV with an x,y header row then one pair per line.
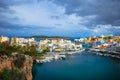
x,y
56,56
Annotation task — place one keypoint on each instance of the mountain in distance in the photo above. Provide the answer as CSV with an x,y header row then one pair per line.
x,y
41,36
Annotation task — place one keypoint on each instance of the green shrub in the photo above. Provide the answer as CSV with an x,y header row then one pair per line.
x,y
19,62
6,48
7,74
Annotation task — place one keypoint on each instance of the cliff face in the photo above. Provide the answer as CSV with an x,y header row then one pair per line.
x,y
20,62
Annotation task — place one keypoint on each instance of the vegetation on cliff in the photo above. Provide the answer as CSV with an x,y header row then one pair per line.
x,y
16,67
6,48
17,61
7,74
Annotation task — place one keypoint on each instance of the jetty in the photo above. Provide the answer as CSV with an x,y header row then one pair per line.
x,y
114,53
56,56
51,56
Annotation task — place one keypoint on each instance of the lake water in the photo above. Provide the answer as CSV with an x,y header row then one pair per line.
x,y
81,66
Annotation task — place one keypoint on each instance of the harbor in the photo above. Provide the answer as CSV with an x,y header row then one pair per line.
x,y
56,56
113,52
82,66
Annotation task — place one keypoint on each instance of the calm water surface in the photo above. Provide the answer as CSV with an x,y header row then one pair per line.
x,y
79,67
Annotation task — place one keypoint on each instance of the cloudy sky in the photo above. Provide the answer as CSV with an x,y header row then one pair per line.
x,y
74,18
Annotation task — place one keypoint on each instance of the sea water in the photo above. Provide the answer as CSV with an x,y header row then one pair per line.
x,y
83,66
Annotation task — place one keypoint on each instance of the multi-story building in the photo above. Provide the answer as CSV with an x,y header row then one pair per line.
x,y
22,41
4,39
58,45
14,40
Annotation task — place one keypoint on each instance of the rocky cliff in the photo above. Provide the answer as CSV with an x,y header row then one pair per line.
x,y
20,62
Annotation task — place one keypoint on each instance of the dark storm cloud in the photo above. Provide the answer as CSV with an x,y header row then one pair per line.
x,y
7,25
3,5
107,11
6,3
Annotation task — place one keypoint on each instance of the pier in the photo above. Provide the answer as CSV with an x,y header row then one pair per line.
x,y
56,56
110,53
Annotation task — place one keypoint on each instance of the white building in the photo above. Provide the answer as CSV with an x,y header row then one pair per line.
x,y
4,39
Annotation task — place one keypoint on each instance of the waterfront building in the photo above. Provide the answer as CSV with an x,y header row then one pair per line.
x,y
102,36
22,41
89,39
85,40
26,40
14,40
59,45
4,39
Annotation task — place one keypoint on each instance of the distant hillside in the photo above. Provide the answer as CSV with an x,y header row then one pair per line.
x,y
52,37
